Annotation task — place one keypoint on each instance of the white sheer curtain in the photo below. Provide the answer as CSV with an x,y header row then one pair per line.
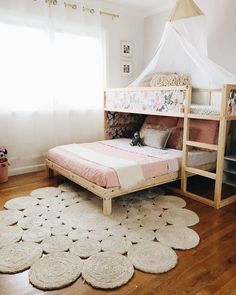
x,y
51,79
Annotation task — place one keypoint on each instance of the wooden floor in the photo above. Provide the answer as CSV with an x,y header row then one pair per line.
x,y
208,269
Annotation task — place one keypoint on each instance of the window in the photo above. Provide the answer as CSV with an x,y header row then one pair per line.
x,y
42,70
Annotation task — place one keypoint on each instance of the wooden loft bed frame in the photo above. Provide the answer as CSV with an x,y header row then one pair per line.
x,y
223,119
107,194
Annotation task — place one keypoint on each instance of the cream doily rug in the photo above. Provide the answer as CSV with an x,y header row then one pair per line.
x,y
67,224
10,235
178,237
152,257
55,271
37,210
139,235
98,235
167,202
10,217
181,217
36,234
18,257
118,230
86,248
62,229
78,235
46,192
116,244
56,244
30,221
150,222
21,203
107,270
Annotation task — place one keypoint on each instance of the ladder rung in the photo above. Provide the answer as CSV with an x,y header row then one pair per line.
x,y
201,172
202,145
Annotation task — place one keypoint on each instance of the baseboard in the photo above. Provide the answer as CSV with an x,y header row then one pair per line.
x,y
26,169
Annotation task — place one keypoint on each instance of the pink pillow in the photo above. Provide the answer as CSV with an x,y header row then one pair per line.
x,y
206,131
161,121
152,122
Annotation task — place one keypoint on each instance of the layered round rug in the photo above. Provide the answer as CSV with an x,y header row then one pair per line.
x,y
60,234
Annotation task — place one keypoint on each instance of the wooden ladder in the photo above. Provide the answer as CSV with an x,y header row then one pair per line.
x,y
220,148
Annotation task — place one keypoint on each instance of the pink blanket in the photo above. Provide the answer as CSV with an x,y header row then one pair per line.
x,y
102,175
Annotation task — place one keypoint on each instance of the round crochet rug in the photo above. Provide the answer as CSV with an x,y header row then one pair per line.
x,y
181,217
18,257
55,271
178,237
152,257
68,225
107,270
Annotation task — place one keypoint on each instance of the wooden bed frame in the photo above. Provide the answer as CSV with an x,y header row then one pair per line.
x,y
107,194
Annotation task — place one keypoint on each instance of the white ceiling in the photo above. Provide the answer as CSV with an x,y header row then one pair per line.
x,y
146,6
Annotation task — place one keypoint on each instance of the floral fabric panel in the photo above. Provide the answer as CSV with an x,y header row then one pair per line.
x,y
119,125
232,103
162,101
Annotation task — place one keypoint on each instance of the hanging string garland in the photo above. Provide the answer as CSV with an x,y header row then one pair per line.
x,y
75,6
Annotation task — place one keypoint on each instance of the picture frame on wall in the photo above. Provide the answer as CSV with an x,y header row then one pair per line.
x,y
126,49
126,69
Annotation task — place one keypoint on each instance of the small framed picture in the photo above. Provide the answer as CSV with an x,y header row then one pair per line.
x,y
126,68
126,49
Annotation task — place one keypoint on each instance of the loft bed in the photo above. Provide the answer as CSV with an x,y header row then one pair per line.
x,y
124,113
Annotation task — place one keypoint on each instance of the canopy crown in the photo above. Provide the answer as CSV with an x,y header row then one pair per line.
x,y
185,9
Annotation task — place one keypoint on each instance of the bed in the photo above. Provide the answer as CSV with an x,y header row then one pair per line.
x,y
155,165
153,162
111,168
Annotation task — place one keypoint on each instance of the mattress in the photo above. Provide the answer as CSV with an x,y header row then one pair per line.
x,y
153,162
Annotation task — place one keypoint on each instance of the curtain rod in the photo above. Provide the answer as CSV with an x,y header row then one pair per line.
x,y
85,9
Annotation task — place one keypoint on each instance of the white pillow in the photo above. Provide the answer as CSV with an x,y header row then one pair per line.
x,y
156,138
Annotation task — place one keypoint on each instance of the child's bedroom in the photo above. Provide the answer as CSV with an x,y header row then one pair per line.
x,y
117,147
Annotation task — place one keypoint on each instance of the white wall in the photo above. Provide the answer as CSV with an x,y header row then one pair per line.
x,y
128,27
221,31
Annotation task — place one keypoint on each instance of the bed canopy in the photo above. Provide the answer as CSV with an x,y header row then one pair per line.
x,y
183,49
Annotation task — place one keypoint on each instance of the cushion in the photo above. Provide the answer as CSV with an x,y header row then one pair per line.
x,y
156,138
165,79
151,122
206,131
162,120
175,140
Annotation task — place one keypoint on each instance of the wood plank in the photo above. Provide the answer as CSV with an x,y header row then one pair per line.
x,y
188,101
206,90
146,89
202,145
231,118
142,112
107,206
204,117
228,201
98,190
221,146
201,172
193,196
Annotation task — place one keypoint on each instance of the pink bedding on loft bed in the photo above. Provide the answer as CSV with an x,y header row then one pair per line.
x,y
153,162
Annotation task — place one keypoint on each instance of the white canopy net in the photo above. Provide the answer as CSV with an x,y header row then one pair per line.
x,y
183,49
